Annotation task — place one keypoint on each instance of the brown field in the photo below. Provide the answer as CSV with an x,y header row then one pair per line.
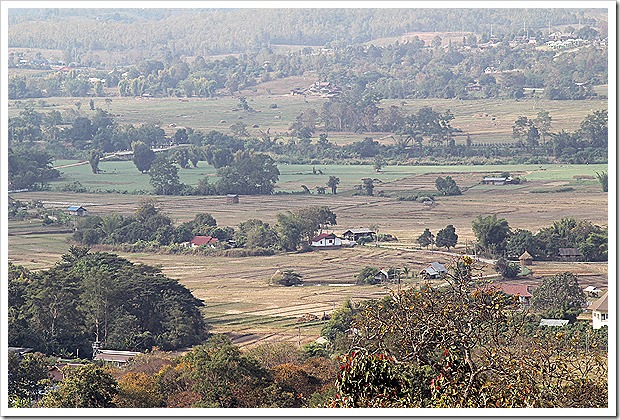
x,y
239,300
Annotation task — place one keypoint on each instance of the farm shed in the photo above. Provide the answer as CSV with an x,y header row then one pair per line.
x,y
355,234
77,210
232,198
116,356
326,240
569,254
545,322
496,180
202,240
526,259
433,271
600,312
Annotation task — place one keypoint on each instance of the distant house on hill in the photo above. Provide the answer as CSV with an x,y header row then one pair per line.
x,y
600,312
232,198
77,210
355,234
202,240
592,291
434,270
326,240
569,254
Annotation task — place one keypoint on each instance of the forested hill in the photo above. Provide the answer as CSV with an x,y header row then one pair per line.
x,y
176,32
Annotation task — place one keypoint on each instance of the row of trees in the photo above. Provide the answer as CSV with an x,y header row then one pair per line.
x,y
88,297
495,237
292,230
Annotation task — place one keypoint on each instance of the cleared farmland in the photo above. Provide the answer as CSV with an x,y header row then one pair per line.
x,y
239,300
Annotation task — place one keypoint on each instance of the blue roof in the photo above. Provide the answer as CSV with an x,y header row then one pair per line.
x,y
75,208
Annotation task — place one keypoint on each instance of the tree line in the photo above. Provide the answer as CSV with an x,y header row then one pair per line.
x,y
292,230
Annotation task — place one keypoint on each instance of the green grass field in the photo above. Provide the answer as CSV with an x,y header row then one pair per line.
x,y
123,175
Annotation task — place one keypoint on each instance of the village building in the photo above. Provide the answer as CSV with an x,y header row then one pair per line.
x,y
490,180
592,291
434,270
522,291
199,240
355,234
325,240
526,259
600,312
118,357
77,210
570,254
232,198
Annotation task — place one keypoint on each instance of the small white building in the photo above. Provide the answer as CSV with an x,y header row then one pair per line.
x,y
600,314
326,240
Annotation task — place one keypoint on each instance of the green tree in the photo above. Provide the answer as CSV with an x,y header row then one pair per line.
x,y
165,177
94,158
426,238
332,183
368,275
507,268
447,186
87,386
368,186
447,237
602,179
491,233
27,376
143,156
249,173
559,296
519,241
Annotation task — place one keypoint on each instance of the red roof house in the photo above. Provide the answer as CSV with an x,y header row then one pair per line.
x,y
202,240
523,291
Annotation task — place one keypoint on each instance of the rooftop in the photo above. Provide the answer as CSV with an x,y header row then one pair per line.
x,y
600,304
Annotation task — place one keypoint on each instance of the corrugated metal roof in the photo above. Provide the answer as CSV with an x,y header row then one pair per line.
x,y
75,208
553,322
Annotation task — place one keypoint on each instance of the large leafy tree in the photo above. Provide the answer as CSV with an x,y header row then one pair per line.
x,y
333,182
165,177
491,233
87,386
101,297
248,173
461,345
143,156
447,237
426,238
559,296
447,186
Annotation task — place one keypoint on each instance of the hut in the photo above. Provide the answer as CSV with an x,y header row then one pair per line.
x,y
526,259
232,198
76,210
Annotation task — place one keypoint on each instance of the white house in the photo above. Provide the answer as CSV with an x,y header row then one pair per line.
x,y
600,314
325,240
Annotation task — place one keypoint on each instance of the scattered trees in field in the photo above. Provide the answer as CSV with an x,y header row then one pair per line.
x,y
491,233
165,177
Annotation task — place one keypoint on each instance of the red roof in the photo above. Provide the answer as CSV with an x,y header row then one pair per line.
x,y
203,240
515,289
323,236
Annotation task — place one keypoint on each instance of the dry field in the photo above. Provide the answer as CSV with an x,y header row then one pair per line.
x,y
239,300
